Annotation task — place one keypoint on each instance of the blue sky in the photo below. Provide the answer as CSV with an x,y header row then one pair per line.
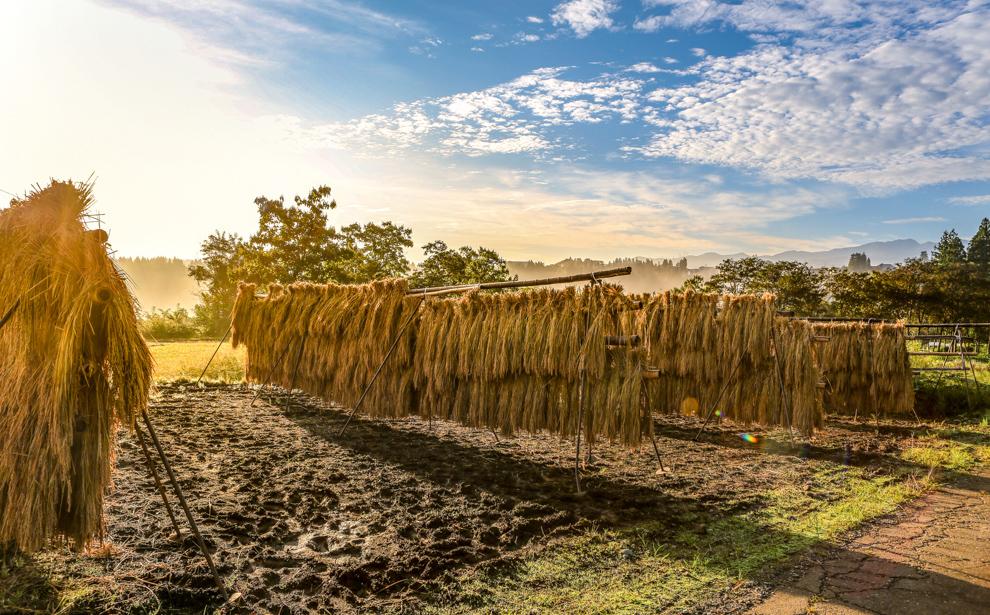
x,y
595,128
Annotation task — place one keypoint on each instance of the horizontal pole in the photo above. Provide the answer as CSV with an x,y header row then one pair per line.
x,y
938,369
961,338
567,279
622,340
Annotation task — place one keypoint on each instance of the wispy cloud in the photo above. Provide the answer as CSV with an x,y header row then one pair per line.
x,y
251,33
917,220
979,199
584,16
515,117
485,36
534,19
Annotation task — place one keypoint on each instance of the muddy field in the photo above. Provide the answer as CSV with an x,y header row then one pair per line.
x,y
301,519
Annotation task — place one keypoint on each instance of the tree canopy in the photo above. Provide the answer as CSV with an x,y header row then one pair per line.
x,y
295,242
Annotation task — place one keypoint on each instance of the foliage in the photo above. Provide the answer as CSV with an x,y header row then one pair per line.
x,y
797,285
949,250
979,246
174,324
444,266
294,243
858,262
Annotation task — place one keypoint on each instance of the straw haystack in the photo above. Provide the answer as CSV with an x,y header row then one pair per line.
x,y
506,361
723,352
867,368
72,367
514,361
329,339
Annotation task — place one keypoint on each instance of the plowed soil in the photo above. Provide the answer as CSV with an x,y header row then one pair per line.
x,y
302,519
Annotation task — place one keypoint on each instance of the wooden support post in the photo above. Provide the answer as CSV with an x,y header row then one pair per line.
x,y
788,408
269,376
213,356
184,505
10,313
711,410
158,481
395,343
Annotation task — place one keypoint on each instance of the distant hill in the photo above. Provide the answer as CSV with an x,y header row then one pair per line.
x,y
163,282
891,252
651,274
160,282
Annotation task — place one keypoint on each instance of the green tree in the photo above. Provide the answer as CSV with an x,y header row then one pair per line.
x,y
222,265
378,251
949,249
444,266
979,246
858,261
798,286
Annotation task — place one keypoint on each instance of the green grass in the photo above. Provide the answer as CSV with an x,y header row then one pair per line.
x,y
956,449
650,568
186,360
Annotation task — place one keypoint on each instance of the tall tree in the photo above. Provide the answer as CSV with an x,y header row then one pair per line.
x,y
979,246
444,266
222,265
949,250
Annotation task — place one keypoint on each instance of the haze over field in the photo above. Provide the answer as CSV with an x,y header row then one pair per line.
x,y
542,130
162,283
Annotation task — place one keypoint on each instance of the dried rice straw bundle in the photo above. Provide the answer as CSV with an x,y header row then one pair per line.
x,y
73,366
867,368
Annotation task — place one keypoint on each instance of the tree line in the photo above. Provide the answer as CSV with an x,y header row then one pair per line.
x,y
295,242
952,285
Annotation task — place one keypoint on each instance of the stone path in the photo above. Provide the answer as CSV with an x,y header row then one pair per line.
x,y
934,558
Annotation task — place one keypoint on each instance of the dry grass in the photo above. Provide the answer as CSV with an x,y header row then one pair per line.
x,y
73,366
867,368
186,360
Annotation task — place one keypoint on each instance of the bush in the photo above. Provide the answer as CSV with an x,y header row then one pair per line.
x,y
175,324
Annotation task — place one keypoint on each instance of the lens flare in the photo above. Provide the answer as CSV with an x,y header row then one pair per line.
x,y
748,437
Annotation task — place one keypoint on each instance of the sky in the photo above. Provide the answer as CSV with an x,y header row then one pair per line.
x,y
592,128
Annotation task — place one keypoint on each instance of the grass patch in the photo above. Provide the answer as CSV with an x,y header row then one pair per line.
x,y
186,360
652,568
956,449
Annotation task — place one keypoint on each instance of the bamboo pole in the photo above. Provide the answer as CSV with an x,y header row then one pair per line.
x,y
567,279
158,480
395,342
213,356
9,314
184,505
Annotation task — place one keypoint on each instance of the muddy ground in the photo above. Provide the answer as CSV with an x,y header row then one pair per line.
x,y
301,519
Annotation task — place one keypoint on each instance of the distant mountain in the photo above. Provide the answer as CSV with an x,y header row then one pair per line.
x,y
892,252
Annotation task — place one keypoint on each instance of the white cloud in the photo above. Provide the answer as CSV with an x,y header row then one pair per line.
x,y
534,19
881,114
698,51
670,60
584,16
477,49
915,220
979,199
514,117
522,37
650,24
484,36
644,67
246,33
